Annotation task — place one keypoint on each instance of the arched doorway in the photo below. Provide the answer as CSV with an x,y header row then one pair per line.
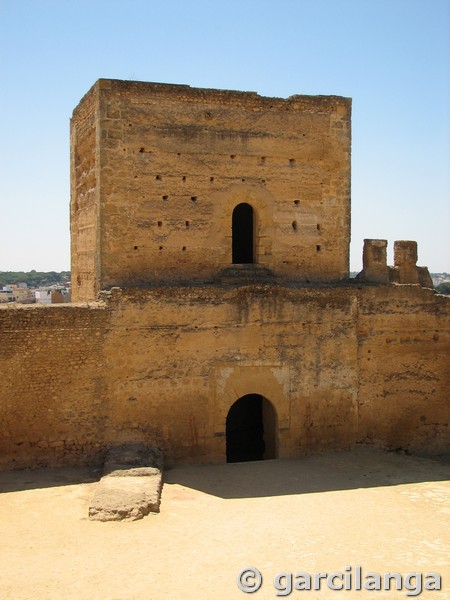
x,y
242,227
251,429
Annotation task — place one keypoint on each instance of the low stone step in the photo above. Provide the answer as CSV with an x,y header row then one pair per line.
x,y
131,484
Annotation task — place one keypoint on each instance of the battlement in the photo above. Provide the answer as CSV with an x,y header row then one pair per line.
x,y
405,269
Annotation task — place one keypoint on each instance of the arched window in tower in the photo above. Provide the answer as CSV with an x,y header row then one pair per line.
x,y
243,247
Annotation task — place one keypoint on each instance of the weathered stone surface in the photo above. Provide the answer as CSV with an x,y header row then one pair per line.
x,y
135,459
375,268
163,366
175,161
157,173
131,485
126,498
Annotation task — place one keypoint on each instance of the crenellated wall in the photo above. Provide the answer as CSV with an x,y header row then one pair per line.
x,y
405,269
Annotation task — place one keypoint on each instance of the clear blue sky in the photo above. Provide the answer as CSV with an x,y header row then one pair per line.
x,y
391,56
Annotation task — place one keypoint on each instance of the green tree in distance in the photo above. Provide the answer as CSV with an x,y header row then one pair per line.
x,y
444,287
34,278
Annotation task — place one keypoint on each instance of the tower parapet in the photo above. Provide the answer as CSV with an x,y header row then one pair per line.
x,y
405,269
375,268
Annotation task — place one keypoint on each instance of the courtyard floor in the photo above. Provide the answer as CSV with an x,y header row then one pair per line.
x,y
384,512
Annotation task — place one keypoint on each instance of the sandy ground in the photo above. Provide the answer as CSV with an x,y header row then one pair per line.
x,y
382,511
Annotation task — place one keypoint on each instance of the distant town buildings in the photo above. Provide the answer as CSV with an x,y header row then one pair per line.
x,y
440,278
17,293
21,294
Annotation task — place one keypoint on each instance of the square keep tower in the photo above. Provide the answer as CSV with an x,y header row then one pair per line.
x,y
174,184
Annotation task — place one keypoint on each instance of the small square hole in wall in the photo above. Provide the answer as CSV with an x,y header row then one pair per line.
x,y
211,179
160,247
183,178
317,248
194,198
158,177
294,225
187,223
262,159
159,223
184,248
232,156
297,202
318,227
292,162
165,197
136,247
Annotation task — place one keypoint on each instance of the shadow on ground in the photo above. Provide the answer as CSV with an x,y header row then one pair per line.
x,y
33,479
361,468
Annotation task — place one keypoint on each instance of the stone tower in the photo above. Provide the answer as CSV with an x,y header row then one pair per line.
x,y
176,183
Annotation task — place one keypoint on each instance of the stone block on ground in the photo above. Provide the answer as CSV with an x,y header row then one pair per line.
x,y
131,484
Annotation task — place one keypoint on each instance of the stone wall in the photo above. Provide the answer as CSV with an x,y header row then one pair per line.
x,y
179,358
341,365
404,373
85,198
53,404
156,173
174,163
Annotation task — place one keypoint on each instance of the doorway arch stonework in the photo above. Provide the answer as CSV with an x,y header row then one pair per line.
x,y
270,381
262,202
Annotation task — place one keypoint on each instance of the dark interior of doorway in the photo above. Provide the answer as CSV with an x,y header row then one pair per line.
x,y
242,232
245,429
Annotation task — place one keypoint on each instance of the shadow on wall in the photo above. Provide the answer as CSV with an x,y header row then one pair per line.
x,y
361,468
